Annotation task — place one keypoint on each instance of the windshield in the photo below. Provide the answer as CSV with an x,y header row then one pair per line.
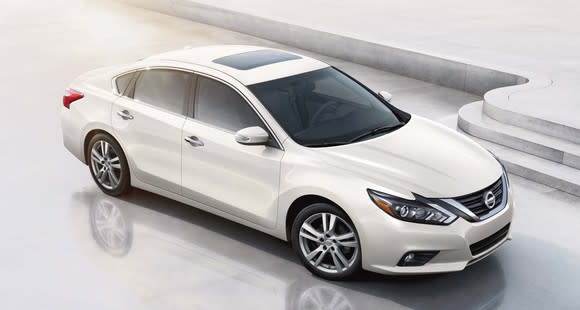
x,y
324,107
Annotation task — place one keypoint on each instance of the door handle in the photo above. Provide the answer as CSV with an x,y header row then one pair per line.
x,y
194,141
125,114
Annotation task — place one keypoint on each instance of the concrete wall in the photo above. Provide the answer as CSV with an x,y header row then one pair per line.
x,y
437,70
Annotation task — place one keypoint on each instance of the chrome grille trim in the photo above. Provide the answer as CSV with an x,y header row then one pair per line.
x,y
472,204
461,208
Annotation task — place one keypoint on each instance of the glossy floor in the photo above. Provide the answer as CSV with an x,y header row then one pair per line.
x,y
65,245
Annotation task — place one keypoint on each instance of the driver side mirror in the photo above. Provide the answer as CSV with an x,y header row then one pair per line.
x,y
386,95
252,136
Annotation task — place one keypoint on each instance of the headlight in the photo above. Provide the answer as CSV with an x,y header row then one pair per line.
x,y
412,210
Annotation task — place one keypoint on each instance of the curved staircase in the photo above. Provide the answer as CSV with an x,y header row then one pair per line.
x,y
538,151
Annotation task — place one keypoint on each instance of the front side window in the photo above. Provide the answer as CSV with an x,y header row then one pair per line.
x,y
219,105
324,107
164,88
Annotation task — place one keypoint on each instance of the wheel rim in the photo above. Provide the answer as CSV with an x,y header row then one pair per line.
x,y
328,243
106,164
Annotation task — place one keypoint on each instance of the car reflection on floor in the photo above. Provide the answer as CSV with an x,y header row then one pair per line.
x,y
175,256
111,230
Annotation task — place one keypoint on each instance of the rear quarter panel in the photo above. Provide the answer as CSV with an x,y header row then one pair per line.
x,y
92,112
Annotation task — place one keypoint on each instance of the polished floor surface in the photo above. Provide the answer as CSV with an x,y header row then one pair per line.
x,y
65,245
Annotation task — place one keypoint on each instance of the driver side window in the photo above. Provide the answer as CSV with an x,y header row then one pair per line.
x,y
219,105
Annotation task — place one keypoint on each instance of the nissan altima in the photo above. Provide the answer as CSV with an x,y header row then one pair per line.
x,y
295,148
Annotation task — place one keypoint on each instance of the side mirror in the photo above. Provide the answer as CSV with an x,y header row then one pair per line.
x,y
252,136
386,95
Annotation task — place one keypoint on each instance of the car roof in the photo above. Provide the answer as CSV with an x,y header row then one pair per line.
x,y
247,64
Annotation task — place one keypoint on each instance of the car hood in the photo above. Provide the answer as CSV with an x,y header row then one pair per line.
x,y
422,157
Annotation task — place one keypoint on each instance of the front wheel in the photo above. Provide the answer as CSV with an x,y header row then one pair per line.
x,y
108,165
327,242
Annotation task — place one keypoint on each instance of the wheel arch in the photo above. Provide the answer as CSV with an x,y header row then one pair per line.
x,y
89,135
302,202
125,183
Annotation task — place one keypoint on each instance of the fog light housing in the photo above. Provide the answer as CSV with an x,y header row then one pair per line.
x,y
416,258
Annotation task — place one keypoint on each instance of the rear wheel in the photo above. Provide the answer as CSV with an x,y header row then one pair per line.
x,y
108,165
327,242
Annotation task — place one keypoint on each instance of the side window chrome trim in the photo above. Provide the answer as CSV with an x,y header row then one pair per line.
x,y
191,117
136,76
138,73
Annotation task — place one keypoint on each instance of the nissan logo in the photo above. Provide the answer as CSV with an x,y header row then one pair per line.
x,y
489,199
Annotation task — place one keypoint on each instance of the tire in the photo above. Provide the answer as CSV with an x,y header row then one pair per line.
x,y
325,249
108,167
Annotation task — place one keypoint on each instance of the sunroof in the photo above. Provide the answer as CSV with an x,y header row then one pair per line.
x,y
254,59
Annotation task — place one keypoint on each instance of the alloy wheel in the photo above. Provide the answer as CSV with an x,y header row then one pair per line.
x,y
106,164
328,243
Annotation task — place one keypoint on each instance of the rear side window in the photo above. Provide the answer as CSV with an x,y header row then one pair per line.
x,y
122,82
163,88
219,105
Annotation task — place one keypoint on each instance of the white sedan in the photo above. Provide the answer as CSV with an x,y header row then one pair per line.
x,y
295,148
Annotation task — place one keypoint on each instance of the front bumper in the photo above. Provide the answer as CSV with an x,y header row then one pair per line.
x,y
385,240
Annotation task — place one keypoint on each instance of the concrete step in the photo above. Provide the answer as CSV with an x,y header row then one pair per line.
x,y
472,120
537,169
531,112
531,167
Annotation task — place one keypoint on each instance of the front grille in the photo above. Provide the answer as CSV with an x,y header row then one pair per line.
x,y
487,243
475,201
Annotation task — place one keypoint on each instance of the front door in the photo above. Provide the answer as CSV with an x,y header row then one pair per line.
x,y
241,180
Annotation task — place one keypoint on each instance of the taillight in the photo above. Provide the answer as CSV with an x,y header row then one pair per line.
x,y
70,96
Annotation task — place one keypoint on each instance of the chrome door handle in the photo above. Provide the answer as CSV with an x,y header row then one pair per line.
x,y
194,141
125,114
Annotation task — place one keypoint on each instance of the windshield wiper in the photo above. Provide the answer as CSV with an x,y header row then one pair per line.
x,y
376,131
323,144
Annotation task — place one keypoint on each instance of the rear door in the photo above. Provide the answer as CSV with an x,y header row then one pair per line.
x,y
242,180
148,120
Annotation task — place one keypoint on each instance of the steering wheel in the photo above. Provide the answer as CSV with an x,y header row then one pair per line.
x,y
321,111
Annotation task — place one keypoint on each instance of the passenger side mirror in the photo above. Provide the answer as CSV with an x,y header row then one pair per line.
x,y
386,95
252,136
